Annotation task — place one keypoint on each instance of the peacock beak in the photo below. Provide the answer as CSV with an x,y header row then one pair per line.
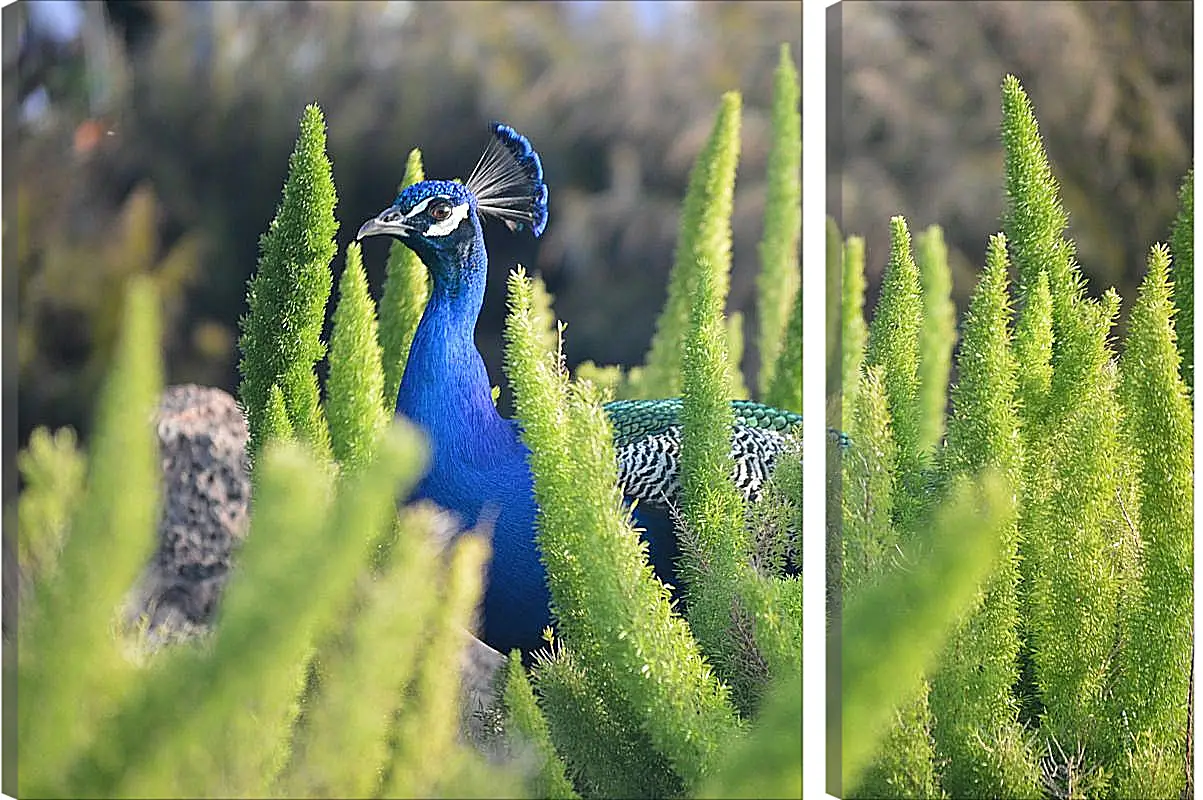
x,y
388,222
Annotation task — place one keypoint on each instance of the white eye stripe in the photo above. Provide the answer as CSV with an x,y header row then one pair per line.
x,y
458,214
420,207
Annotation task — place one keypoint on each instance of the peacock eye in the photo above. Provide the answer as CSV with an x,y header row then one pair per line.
x,y
440,210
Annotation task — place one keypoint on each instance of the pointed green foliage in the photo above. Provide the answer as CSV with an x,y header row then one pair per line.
x,y
734,330
354,387
894,346
406,289
1072,533
936,337
605,757
868,536
1034,351
884,656
296,569
904,765
971,691
1034,220
1182,250
426,729
1158,630
785,391
527,728
53,470
768,761
703,242
364,665
985,427
853,334
608,605
780,276
71,669
608,379
281,333
713,547
276,426
545,318
156,752
833,299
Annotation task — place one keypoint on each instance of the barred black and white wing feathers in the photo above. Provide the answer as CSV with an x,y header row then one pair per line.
x,y
647,436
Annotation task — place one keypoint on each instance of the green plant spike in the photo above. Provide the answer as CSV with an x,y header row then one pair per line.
x,y
970,695
71,670
768,761
606,601
527,729
406,290
545,318
606,755
894,345
281,333
936,337
53,469
1034,352
235,733
1034,220
703,241
364,666
608,379
868,537
1070,535
235,726
833,299
1182,250
853,333
356,380
276,425
426,728
1156,659
734,335
885,656
713,510
904,764
780,276
785,391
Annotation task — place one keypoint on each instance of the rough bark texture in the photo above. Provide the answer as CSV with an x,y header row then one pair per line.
x,y
206,494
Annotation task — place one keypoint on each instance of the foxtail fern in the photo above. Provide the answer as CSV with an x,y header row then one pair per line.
x,y
1157,630
971,692
705,233
610,609
853,334
937,335
71,670
1182,250
893,344
53,470
281,333
528,728
884,656
356,376
785,391
780,277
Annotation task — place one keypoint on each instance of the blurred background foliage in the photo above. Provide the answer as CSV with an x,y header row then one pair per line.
x,y
914,130
153,138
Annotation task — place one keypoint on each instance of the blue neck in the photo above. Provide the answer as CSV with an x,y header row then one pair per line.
x,y
446,388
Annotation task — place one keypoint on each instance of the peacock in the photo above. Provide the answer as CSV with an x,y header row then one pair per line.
x,y
479,466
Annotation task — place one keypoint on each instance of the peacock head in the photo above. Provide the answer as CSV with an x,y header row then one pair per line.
x,y
439,220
